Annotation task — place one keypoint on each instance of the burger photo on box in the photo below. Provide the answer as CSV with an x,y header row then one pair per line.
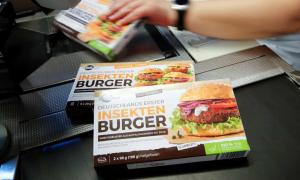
x,y
174,73
149,77
176,77
207,110
178,73
179,67
101,29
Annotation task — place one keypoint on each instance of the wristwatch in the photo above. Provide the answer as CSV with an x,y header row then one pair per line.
x,y
180,6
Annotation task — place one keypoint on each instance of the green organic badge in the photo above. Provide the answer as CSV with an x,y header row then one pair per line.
x,y
228,146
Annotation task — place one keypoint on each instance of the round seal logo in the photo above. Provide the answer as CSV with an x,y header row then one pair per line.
x,y
89,67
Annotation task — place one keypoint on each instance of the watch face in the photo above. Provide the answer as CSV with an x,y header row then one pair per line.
x,y
180,4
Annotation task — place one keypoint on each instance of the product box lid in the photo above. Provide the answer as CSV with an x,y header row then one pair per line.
x,y
165,122
97,76
86,24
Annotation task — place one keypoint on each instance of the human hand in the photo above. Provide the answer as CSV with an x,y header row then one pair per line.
x,y
154,11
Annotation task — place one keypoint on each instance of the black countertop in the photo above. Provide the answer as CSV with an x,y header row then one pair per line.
x,y
270,112
269,109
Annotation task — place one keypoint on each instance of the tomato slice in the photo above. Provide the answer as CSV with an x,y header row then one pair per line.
x,y
223,105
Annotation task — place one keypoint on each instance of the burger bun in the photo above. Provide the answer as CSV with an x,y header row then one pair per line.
x,y
208,91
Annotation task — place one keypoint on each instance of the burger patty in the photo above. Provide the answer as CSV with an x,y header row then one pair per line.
x,y
150,77
178,69
212,115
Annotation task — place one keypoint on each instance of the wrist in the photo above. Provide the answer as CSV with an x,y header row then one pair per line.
x,y
173,17
180,7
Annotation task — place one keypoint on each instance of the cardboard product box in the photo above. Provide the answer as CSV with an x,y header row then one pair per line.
x,y
167,124
85,25
91,77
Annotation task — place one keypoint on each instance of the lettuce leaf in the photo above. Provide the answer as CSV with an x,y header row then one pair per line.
x,y
178,123
162,80
136,78
190,72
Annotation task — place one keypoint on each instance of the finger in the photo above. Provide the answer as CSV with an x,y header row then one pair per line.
x,y
125,10
116,5
137,14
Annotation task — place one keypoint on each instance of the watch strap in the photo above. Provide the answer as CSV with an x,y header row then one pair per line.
x,y
180,20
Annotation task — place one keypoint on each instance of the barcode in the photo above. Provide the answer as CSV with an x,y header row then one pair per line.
x,y
83,15
232,155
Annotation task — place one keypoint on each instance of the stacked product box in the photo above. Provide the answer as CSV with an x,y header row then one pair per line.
x,y
86,25
101,76
168,124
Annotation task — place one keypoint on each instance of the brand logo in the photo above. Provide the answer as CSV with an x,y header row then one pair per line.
x,y
101,160
89,67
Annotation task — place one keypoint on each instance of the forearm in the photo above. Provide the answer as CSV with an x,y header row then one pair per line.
x,y
243,19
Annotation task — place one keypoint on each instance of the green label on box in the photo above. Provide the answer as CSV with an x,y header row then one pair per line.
x,y
228,146
102,48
